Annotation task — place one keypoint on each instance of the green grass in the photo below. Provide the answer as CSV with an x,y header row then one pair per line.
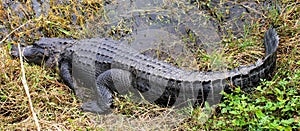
x,y
274,105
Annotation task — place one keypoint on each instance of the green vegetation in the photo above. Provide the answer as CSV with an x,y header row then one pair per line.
x,y
274,105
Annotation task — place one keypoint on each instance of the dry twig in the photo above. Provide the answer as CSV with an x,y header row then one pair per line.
x,y
27,91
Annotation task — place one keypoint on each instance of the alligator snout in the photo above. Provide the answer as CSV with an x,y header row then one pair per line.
x,y
30,53
27,51
14,52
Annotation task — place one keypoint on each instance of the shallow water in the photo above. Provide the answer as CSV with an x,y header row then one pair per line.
x,y
163,29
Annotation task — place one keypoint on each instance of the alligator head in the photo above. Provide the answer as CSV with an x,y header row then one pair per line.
x,y
45,51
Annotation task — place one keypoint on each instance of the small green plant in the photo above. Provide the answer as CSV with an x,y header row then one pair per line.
x,y
273,106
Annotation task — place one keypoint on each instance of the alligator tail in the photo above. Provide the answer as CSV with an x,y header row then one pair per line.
x,y
271,41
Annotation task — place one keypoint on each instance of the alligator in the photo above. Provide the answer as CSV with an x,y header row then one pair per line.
x,y
107,67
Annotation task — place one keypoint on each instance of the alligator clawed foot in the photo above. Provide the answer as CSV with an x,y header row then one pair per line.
x,y
92,106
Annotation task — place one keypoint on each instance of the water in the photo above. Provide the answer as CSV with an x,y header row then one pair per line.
x,y
166,30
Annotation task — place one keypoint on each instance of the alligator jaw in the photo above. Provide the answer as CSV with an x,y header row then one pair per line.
x,y
30,53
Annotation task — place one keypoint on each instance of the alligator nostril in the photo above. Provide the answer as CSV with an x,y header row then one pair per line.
x,y
14,52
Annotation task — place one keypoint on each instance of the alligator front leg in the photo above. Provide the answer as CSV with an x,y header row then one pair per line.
x,y
65,73
107,83
104,98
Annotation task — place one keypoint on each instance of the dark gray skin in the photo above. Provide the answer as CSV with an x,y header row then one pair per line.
x,y
107,67
48,53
